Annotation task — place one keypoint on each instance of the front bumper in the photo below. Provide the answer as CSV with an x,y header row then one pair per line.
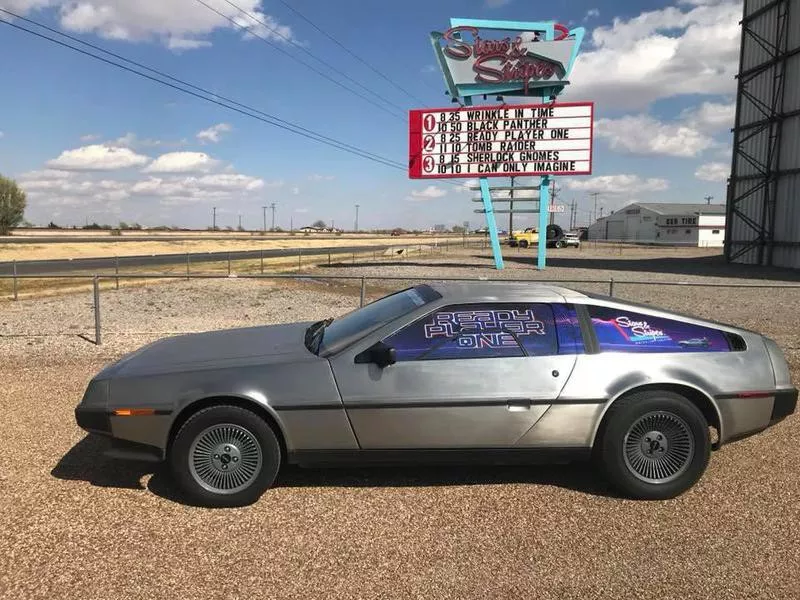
x,y
784,405
94,419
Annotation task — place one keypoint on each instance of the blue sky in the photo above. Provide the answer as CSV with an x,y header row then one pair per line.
x,y
88,141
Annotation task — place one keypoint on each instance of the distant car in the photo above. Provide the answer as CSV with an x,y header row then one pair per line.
x,y
568,239
469,372
397,232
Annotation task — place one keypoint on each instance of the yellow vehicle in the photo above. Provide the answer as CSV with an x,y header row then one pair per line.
x,y
523,239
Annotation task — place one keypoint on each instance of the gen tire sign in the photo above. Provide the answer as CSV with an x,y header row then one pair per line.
x,y
491,141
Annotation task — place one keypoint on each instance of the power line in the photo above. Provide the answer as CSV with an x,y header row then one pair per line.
x,y
293,57
203,93
351,53
289,40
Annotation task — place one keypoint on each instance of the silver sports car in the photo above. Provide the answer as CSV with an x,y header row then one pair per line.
x,y
445,372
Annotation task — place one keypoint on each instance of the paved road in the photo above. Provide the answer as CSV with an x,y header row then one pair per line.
x,y
39,267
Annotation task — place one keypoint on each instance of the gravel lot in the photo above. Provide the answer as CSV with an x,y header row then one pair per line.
x,y
75,525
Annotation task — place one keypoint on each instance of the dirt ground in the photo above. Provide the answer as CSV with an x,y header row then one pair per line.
x,y
76,525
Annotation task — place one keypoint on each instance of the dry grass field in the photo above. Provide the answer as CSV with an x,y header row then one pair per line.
x,y
76,525
115,247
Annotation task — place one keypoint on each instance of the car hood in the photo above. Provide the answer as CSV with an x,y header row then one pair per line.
x,y
216,349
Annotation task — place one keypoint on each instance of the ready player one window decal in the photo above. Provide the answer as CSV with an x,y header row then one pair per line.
x,y
484,328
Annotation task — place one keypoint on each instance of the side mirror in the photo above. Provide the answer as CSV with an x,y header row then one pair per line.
x,y
380,354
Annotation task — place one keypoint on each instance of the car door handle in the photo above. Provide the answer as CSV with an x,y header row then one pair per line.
x,y
518,405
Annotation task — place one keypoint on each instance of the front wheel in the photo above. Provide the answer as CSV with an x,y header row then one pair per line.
x,y
523,243
559,244
655,445
225,456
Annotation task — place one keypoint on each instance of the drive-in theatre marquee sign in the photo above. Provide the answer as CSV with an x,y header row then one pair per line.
x,y
510,140
481,58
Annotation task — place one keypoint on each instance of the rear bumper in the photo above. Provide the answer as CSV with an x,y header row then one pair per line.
x,y
784,405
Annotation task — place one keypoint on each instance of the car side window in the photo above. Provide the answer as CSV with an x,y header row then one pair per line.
x,y
621,330
483,331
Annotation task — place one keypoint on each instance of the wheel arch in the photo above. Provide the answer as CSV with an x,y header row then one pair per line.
x,y
695,395
263,411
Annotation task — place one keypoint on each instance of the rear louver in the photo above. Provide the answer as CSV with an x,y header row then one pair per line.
x,y
736,342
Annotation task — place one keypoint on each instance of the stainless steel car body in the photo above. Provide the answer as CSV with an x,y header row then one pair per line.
x,y
332,405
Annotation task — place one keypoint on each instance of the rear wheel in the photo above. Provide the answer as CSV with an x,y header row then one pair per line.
x,y
655,445
523,243
559,244
225,456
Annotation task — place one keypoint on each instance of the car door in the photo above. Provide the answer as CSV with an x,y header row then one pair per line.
x,y
465,376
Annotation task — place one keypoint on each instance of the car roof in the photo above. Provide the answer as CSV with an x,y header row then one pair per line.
x,y
503,291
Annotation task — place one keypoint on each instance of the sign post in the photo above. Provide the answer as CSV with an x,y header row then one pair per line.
x,y
508,58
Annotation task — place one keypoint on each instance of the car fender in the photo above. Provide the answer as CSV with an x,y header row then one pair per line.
x,y
632,383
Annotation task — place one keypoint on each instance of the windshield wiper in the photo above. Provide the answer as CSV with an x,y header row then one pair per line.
x,y
315,333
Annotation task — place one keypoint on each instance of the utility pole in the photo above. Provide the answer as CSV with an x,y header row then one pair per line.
x,y
511,208
594,214
572,212
553,195
240,221
213,218
708,199
272,206
333,228
264,211
291,224
357,205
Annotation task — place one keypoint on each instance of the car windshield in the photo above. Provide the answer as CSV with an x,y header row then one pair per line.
x,y
336,334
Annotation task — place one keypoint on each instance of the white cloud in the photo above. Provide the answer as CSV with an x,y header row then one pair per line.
x,y
713,171
642,134
429,192
55,191
45,174
131,140
179,43
89,137
319,177
1,134
617,184
97,157
295,191
661,54
711,117
592,13
178,24
213,133
182,162
231,181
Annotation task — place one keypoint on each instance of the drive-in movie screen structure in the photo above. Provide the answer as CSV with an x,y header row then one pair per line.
x,y
488,299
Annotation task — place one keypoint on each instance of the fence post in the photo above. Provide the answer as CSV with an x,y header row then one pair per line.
x,y
299,259
611,286
187,266
14,267
229,263
354,258
262,260
98,340
363,291
329,259
116,270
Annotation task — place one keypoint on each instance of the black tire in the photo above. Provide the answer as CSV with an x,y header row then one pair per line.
x,y
523,243
559,244
252,451
633,460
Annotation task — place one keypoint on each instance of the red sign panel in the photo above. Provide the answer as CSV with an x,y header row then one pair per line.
x,y
504,141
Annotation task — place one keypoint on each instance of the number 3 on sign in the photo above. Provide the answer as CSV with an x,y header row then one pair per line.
x,y
429,122
428,164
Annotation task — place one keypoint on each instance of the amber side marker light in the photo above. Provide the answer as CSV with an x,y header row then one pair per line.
x,y
134,412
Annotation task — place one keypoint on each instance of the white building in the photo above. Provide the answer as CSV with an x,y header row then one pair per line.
x,y
701,225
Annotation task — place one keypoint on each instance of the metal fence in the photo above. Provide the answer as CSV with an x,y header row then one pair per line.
x,y
363,281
